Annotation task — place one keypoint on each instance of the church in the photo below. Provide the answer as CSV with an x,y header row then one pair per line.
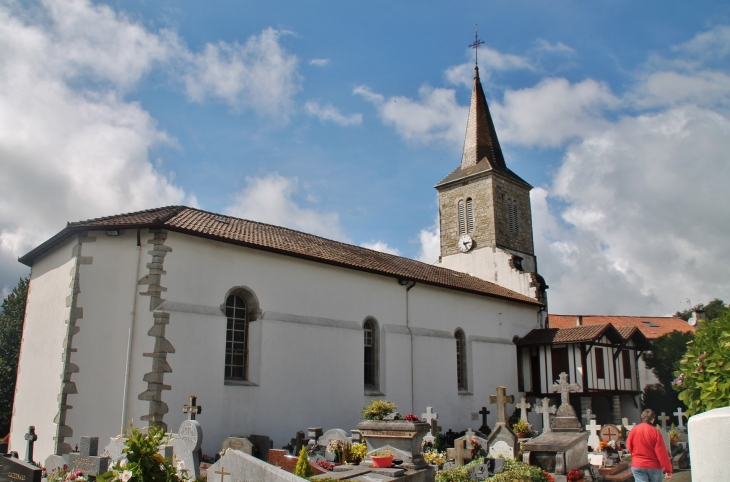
x,y
276,330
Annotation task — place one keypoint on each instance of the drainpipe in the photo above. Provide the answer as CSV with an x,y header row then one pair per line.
x,y
132,316
413,396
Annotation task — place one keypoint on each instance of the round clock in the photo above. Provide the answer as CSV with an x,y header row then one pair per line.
x,y
465,243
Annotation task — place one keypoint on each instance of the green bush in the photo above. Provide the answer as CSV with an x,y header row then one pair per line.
x,y
303,469
458,474
514,470
144,462
378,409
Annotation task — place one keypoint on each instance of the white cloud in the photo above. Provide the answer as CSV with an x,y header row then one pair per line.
x,y
269,199
430,241
319,62
490,61
668,88
328,112
259,74
554,48
434,117
712,44
381,246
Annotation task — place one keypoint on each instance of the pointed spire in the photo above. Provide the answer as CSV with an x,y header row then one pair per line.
x,y
481,143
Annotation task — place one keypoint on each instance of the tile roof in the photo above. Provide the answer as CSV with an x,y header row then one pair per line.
x,y
662,324
287,242
584,334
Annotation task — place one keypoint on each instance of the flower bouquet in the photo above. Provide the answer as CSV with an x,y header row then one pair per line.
x,y
575,475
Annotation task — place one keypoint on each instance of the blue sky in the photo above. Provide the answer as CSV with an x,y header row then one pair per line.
x,y
337,118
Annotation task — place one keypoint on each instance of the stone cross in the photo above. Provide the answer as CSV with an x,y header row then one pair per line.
x,y
680,415
564,387
191,408
523,406
430,416
222,473
593,440
297,443
31,437
546,409
469,434
664,418
501,399
625,423
484,412
462,452
588,416
87,459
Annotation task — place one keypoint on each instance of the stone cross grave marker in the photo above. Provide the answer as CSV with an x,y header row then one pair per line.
x,y
680,415
593,440
298,442
13,469
625,423
87,459
430,417
664,418
192,409
546,409
30,438
523,406
588,416
565,387
565,418
462,451
501,399
484,428
186,444
610,432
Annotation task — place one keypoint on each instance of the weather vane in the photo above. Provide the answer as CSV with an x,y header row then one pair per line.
x,y
476,45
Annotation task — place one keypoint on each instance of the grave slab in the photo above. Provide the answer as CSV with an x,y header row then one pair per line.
x,y
87,460
237,466
15,470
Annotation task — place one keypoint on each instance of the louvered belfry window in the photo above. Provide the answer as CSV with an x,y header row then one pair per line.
x,y
513,217
469,216
462,227
236,339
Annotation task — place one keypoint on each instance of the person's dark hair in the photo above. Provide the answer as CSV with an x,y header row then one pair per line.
x,y
648,416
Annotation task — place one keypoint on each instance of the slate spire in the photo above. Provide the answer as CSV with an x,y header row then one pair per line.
x,y
481,143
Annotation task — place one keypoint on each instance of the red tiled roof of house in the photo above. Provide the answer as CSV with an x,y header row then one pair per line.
x,y
584,334
284,241
651,326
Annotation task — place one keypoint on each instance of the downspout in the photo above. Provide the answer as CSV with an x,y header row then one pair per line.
x,y
408,327
132,317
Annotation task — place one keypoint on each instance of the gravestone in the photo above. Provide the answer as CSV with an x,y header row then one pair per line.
x,y
430,417
333,434
667,443
588,416
236,466
680,415
480,472
462,451
594,441
54,462
565,419
298,442
402,437
610,432
313,433
501,399
192,408
13,469
664,419
186,446
625,423
501,450
30,438
502,436
484,429
546,409
87,459
237,443
115,447
523,406
261,444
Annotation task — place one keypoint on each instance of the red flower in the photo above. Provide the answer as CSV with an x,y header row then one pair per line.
x,y
412,418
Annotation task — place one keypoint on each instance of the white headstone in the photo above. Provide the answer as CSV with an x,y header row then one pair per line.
x,y
236,466
596,459
501,450
546,409
186,443
238,443
680,415
523,406
593,439
115,447
709,444
625,423
428,417
667,441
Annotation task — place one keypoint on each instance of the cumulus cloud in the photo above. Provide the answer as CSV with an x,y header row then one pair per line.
x,y
429,240
553,48
434,117
270,199
319,62
259,74
328,112
381,246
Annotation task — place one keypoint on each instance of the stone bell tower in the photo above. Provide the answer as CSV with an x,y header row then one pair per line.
x,y
484,210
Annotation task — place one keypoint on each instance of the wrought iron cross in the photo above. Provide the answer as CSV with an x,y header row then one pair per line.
x,y
476,45
191,408
31,437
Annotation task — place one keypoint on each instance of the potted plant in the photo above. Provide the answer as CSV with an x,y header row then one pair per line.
x,y
358,451
575,475
378,409
382,458
521,429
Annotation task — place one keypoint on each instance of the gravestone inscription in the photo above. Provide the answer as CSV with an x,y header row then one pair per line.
x,y
13,469
186,445
87,459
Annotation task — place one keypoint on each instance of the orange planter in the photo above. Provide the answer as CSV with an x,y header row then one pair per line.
x,y
382,462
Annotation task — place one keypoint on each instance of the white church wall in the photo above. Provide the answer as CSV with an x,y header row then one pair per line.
x,y
42,343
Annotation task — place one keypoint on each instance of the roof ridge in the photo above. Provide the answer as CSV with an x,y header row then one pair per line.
x,y
132,213
619,316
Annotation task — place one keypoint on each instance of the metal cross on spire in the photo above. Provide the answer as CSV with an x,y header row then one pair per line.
x,y
476,45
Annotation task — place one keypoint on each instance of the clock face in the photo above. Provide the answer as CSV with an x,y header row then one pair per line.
x,y
465,243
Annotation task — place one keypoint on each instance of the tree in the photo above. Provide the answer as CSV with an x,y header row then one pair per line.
x,y
712,310
666,353
703,379
303,469
11,330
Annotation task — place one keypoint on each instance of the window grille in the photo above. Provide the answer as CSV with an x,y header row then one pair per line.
x,y
370,365
236,339
461,218
460,359
469,216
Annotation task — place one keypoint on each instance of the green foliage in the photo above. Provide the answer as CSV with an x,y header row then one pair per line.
x,y
666,353
144,461
458,474
11,330
514,470
378,409
521,427
704,374
661,399
712,310
303,469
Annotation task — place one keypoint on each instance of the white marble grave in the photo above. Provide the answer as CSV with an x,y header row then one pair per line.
x,y
237,466
593,439
709,444
186,443
501,450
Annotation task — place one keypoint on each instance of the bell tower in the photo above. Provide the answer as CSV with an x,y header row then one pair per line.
x,y
484,210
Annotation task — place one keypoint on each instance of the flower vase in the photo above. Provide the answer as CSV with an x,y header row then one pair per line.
x,y
382,462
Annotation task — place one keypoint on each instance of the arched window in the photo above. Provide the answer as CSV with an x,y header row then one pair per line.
x,y
461,359
469,216
370,360
462,227
236,338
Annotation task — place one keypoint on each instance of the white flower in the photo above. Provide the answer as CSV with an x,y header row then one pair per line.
x,y
126,475
122,463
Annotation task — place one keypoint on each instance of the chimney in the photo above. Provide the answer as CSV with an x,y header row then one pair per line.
x,y
579,320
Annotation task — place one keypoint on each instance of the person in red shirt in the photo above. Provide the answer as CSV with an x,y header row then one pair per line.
x,y
649,456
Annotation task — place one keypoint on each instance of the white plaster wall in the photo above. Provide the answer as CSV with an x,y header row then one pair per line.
x,y
492,264
709,444
40,366
646,375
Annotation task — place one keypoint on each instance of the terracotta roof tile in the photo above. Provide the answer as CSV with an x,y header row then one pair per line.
x,y
288,242
552,336
661,324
